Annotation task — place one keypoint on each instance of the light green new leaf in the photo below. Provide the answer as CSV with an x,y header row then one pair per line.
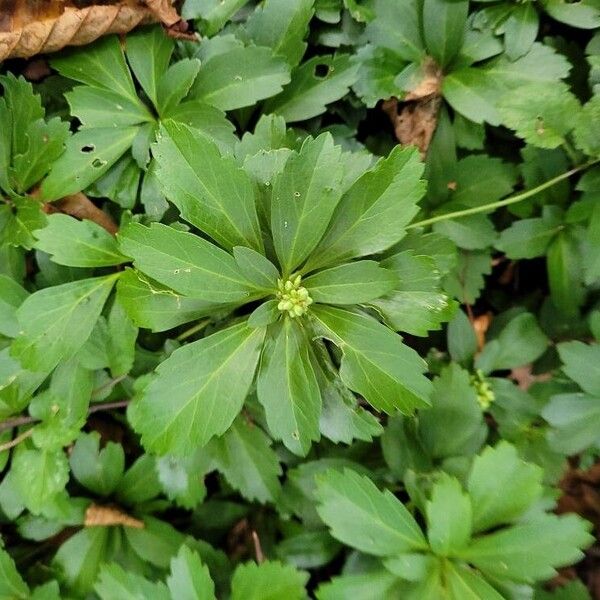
x,y
443,28
99,65
541,114
352,283
185,262
39,475
189,578
364,517
57,321
206,382
500,468
305,195
520,342
448,516
210,190
281,25
244,455
114,582
416,304
288,389
463,582
12,295
269,580
375,362
240,77
530,552
88,155
149,52
12,586
378,585
309,92
77,243
581,362
154,306
372,214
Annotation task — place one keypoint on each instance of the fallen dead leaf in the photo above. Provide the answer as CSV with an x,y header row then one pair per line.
x,y
107,516
30,27
80,206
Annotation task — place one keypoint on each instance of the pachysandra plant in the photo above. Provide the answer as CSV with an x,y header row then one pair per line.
x,y
297,273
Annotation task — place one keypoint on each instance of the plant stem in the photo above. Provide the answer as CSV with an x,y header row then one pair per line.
x,y
21,437
506,202
192,330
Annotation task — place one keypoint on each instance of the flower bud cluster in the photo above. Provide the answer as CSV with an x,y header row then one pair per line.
x,y
293,298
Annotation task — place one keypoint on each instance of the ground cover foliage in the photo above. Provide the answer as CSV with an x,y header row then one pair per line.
x,y
307,308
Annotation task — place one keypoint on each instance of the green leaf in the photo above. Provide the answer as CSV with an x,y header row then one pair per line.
x,y
454,424
462,339
100,471
584,14
88,155
190,579
80,557
305,195
154,306
375,363
575,422
267,313
149,52
520,30
140,482
121,342
175,84
448,516
257,269
372,214
416,304
586,127
352,283
210,190
185,262
240,77
526,553
472,232
565,274
309,92
114,582
397,27
288,389
20,221
541,114
281,25
78,243
581,362
104,108
214,13
39,476
12,295
12,586
528,238
364,517
520,342
381,585
181,478
443,28
463,582
219,371
474,94
466,280
56,321
500,468
244,455
100,65
269,580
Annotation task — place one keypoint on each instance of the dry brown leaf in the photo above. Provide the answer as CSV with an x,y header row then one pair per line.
x,y
29,27
415,118
107,516
524,378
481,324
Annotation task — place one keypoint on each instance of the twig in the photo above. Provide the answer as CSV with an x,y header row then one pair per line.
x,y
260,557
109,384
21,437
192,330
18,421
